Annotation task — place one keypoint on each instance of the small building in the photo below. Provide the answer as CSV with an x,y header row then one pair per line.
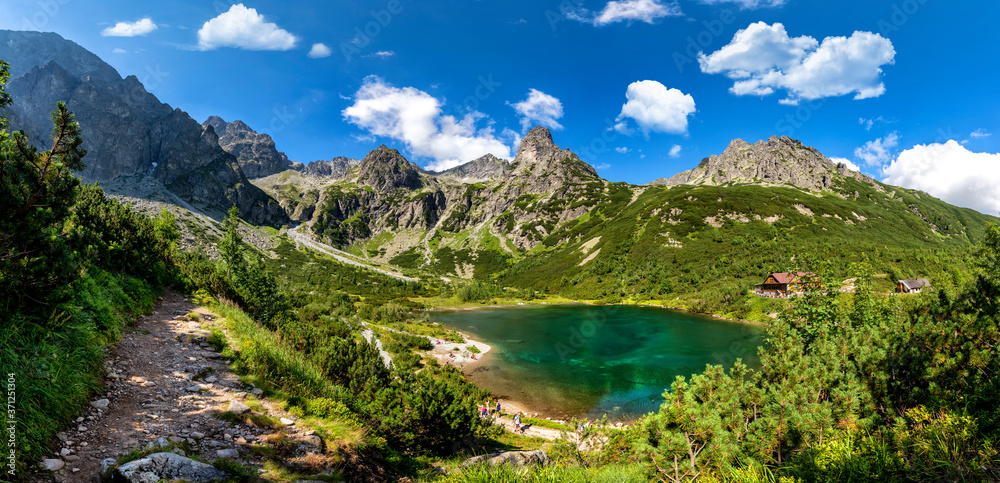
x,y
785,284
912,286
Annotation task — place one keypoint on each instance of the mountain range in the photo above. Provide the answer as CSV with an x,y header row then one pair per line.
x,y
545,218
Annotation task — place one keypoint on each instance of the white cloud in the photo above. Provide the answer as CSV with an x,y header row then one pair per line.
x,y
748,4
602,166
762,58
414,118
869,123
384,54
133,29
244,28
850,164
622,150
879,151
654,108
319,51
675,151
950,172
539,109
980,133
119,51
647,11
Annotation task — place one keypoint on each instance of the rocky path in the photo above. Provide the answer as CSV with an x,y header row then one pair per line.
x,y
165,387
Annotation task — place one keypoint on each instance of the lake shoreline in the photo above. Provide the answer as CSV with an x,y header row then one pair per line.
x,y
590,303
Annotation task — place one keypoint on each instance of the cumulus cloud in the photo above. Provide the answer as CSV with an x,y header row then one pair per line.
x,y
762,59
384,54
244,28
319,51
130,29
539,109
647,11
675,151
747,4
951,172
879,151
850,164
869,123
415,118
622,150
654,108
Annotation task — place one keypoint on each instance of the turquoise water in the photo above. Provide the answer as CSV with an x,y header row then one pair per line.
x,y
582,360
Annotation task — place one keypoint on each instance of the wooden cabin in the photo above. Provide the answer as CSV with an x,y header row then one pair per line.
x,y
912,286
784,285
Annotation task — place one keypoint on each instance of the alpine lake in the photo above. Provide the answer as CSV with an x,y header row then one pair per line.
x,y
587,361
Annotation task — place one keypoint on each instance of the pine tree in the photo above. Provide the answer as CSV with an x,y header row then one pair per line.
x,y
39,254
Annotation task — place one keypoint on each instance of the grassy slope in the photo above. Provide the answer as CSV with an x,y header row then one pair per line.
x,y
57,363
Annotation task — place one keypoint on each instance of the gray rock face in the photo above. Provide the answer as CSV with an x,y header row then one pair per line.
x,y
167,466
126,131
256,153
386,170
336,167
777,161
516,459
486,168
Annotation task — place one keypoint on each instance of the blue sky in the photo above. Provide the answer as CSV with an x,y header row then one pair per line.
x,y
904,89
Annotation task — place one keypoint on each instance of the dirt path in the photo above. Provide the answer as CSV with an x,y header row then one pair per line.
x,y
164,381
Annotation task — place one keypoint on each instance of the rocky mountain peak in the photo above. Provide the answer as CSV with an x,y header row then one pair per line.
x,y
256,152
127,132
484,168
537,146
778,161
336,167
386,169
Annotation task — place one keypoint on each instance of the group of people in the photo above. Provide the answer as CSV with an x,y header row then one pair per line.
x,y
488,408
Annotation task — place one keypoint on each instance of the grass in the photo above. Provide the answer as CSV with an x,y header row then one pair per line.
x,y
557,474
56,360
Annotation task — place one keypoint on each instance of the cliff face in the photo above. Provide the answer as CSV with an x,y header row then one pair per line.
x,y
777,161
336,167
257,155
485,168
126,130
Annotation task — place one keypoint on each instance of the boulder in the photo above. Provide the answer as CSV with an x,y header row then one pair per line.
x,y
100,403
238,407
52,464
167,466
516,459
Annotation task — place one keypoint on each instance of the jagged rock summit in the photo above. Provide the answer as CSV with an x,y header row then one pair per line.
x,y
255,151
384,169
127,132
484,168
775,162
336,167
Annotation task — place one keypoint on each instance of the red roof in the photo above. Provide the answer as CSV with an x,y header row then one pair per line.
x,y
785,277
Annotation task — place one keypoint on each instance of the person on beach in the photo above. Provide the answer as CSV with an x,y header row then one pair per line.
x,y
498,407
517,424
